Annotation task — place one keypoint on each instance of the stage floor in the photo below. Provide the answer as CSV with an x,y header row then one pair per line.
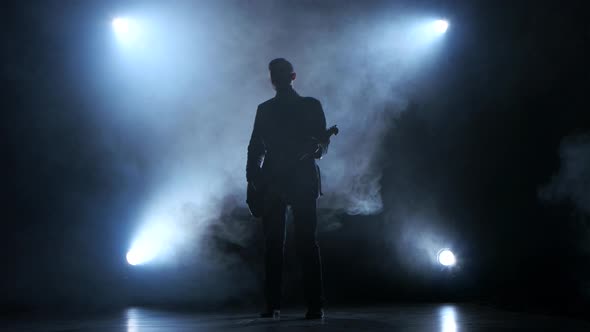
x,y
422,318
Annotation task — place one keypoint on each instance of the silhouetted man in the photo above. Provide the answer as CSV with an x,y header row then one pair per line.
x,y
289,134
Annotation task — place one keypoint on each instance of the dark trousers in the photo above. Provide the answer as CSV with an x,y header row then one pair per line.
x,y
308,251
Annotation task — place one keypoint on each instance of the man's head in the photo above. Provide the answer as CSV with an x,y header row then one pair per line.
x,y
281,73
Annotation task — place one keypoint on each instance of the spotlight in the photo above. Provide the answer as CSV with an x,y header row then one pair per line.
x,y
142,252
440,26
446,257
137,256
133,257
125,28
121,25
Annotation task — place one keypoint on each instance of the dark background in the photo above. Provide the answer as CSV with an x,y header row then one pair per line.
x,y
481,144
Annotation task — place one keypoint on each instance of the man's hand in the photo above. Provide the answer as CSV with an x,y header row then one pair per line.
x,y
313,148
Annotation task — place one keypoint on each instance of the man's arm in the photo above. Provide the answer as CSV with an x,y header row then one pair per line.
x,y
256,150
320,130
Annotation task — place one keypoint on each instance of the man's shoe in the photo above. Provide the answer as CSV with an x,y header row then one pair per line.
x,y
315,314
274,314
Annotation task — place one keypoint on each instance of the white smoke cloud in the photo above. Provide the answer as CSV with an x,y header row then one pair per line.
x,y
190,92
572,182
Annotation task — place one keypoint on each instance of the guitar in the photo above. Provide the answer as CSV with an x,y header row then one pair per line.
x,y
324,140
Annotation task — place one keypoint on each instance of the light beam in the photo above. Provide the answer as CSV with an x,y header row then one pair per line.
x,y
141,252
148,245
440,26
125,29
446,257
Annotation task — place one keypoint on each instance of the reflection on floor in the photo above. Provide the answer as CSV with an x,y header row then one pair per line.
x,y
423,318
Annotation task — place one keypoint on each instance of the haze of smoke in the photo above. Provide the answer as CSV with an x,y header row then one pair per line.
x,y
572,182
194,92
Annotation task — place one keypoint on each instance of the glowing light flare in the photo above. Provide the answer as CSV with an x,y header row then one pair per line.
x,y
446,257
136,256
121,25
142,252
126,29
440,26
421,37
149,244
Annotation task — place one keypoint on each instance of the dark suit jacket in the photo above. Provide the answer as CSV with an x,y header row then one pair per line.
x,y
282,134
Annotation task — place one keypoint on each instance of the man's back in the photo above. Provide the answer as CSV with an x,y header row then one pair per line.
x,y
285,131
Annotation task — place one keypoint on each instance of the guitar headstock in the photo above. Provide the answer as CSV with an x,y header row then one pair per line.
x,y
332,131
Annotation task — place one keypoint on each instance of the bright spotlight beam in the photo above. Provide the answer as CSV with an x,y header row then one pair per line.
x,y
121,25
138,256
125,29
143,250
440,26
446,257
133,257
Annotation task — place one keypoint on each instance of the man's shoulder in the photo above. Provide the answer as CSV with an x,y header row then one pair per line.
x,y
266,104
310,100
311,103
306,101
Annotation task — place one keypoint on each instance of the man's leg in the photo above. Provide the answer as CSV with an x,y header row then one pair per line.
x,y
274,236
308,250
